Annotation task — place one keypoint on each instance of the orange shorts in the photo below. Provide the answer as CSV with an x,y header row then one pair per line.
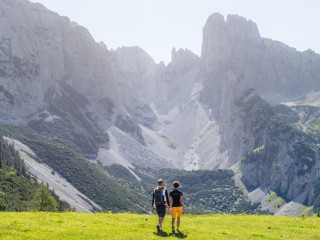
x,y
176,212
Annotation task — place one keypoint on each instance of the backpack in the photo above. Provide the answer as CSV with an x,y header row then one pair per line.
x,y
159,197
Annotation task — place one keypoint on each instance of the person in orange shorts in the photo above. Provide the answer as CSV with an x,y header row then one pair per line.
x,y
176,205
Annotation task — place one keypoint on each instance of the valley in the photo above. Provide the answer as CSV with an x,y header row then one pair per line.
x,y
237,125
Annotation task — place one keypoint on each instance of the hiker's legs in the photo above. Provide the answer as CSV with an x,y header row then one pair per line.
x,y
172,222
179,214
178,222
161,210
161,221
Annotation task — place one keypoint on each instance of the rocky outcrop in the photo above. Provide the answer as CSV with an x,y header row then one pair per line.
x,y
277,156
154,82
197,112
235,57
182,61
139,68
41,55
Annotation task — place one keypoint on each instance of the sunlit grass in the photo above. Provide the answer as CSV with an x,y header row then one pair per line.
x,y
133,226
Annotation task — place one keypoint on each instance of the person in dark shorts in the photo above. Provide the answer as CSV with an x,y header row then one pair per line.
x,y
176,205
159,200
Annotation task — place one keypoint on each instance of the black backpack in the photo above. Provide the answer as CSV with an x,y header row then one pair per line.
x,y
159,196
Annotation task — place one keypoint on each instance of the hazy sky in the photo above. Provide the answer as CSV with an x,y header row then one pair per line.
x,y
158,25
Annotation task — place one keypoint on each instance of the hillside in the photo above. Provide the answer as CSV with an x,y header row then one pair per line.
x,y
19,191
243,116
205,191
85,176
115,187
16,188
130,226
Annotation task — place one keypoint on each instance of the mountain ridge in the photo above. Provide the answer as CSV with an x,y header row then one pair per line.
x,y
119,105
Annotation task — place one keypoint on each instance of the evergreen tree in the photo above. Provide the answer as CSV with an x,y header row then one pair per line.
x,y
44,201
3,205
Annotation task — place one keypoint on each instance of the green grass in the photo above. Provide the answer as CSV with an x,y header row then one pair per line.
x,y
305,211
301,102
167,141
276,201
261,148
133,226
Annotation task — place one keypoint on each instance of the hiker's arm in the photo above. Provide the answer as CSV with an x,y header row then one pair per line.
x,y
152,199
168,200
182,202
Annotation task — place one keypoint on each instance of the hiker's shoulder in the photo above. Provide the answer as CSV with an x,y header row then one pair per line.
x,y
173,192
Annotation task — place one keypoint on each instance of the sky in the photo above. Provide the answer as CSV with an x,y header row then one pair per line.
x,y
159,25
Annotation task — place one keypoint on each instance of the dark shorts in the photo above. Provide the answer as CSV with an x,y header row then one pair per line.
x,y
161,210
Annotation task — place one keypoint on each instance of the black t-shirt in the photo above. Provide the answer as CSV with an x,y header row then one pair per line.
x,y
176,196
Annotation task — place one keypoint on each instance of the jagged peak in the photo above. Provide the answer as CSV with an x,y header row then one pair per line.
x,y
182,54
241,25
234,23
219,35
215,18
182,60
134,52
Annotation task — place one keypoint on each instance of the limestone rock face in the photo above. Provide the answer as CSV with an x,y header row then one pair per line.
x,y
43,54
205,112
140,70
182,61
235,56
223,39
235,59
273,153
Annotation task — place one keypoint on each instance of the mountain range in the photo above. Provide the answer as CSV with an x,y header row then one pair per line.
x,y
247,111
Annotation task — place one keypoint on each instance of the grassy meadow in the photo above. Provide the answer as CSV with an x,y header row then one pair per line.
x,y
133,226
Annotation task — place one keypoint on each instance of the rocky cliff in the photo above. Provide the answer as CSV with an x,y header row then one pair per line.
x,y
278,155
55,77
212,111
235,58
225,96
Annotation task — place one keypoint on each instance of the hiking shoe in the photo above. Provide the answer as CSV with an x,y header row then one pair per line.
x,y
158,228
173,231
178,230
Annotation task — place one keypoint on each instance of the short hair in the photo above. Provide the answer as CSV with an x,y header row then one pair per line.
x,y
176,184
160,181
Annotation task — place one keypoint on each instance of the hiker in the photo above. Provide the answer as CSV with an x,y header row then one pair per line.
x,y
176,205
160,199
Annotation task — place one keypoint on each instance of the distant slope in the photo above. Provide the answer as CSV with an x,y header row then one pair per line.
x,y
85,176
204,191
205,112
19,190
53,180
55,78
16,187
275,154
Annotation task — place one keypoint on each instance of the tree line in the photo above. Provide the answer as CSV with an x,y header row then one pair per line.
x,y
19,190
